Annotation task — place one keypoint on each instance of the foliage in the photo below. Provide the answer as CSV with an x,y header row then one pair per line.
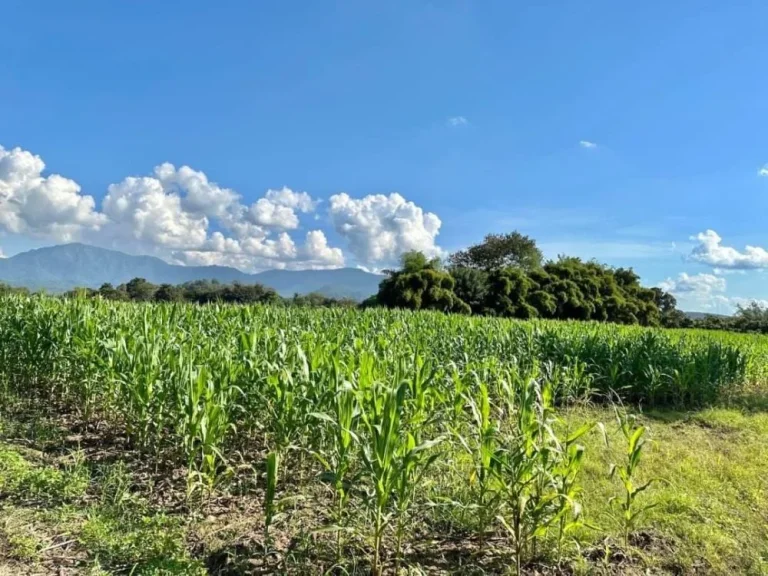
x,y
504,276
500,251
566,289
507,294
629,510
377,395
8,289
203,292
420,285
470,286
168,293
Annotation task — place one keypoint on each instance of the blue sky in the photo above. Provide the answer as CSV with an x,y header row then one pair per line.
x,y
603,129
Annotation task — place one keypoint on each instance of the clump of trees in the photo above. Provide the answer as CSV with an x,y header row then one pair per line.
x,y
751,318
420,284
506,275
204,292
8,289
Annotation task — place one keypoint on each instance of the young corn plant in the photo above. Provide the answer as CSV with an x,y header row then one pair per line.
x,y
413,462
537,472
528,498
393,462
565,480
205,423
481,443
381,411
270,496
337,461
629,511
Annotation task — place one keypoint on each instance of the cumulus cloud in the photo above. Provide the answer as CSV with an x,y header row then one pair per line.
x,y
380,228
705,292
300,201
175,210
699,292
263,212
709,250
587,144
47,206
317,251
704,284
262,253
177,214
763,171
144,210
745,302
200,196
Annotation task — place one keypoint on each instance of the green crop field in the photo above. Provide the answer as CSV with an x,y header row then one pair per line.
x,y
184,439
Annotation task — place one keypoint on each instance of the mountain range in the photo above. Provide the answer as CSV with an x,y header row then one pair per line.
x,y
63,267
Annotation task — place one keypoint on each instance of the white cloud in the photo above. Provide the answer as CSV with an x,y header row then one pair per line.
x,y
276,210
300,201
744,302
710,250
763,171
144,210
699,292
380,228
457,121
47,206
587,144
702,284
177,214
256,253
705,292
318,253
727,272
199,195
263,212
173,212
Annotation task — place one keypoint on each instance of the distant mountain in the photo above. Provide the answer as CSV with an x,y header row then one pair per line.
x,y
701,315
60,268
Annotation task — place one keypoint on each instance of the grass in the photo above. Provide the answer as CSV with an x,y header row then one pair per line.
x,y
712,513
710,517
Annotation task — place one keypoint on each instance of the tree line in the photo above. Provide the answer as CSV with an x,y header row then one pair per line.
x,y
204,292
506,275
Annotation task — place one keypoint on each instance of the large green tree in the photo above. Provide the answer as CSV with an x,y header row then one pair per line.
x,y
507,294
498,251
140,290
471,286
420,284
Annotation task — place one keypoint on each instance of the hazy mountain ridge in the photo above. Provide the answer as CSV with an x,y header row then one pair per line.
x,y
702,315
63,267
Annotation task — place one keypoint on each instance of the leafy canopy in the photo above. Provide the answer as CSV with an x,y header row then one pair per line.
x,y
498,251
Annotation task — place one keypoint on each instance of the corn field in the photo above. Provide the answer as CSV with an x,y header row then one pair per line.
x,y
367,399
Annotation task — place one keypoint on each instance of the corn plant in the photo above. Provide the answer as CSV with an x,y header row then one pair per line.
x,y
627,506
414,461
270,494
393,462
565,481
337,461
524,463
382,412
481,442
